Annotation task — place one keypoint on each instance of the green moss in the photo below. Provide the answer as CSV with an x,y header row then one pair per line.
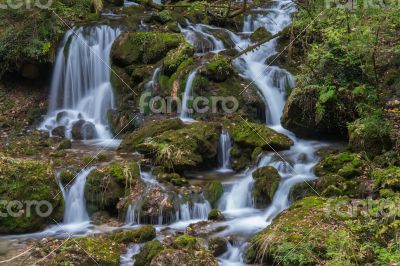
x,y
193,145
260,34
176,57
387,178
219,69
163,16
266,182
215,215
258,135
186,242
131,141
213,192
140,235
148,252
25,181
144,47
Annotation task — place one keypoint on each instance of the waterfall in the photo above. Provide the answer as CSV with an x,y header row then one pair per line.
x,y
225,145
154,80
200,39
185,115
81,93
74,199
128,259
199,211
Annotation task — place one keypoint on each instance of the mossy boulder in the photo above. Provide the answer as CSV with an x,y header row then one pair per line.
x,y
138,235
260,34
370,134
163,16
215,215
258,135
176,57
30,190
143,47
184,257
148,252
316,230
186,242
388,178
266,182
192,146
105,186
151,129
213,191
219,69
314,111
218,245
91,251
251,139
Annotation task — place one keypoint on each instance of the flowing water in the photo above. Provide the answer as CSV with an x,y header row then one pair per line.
x,y
225,145
185,114
81,93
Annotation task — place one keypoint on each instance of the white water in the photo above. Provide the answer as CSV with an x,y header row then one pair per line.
x,y
128,259
154,80
74,199
80,87
185,115
224,149
199,37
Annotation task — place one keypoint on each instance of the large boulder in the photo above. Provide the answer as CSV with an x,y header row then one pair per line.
x,y
266,182
83,130
219,69
213,191
30,195
143,47
312,111
194,145
106,185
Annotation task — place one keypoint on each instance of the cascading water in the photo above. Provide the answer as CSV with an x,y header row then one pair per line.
x,y
74,198
200,39
154,80
81,93
185,115
225,145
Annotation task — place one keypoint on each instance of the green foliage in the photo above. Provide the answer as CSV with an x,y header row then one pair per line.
x,y
213,192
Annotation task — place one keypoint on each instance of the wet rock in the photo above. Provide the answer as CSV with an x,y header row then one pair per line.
x,y
59,131
64,144
148,252
260,34
266,182
23,181
83,130
138,235
215,215
217,245
203,229
219,69
213,191
184,257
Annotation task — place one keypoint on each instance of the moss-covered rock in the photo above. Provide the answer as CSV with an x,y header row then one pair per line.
x,y
314,111
316,230
258,135
266,182
148,252
260,34
215,215
194,145
30,195
186,242
219,69
138,235
370,134
152,129
176,57
388,178
213,191
105,186
163,16
143,47
217,245
91,251
184,257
